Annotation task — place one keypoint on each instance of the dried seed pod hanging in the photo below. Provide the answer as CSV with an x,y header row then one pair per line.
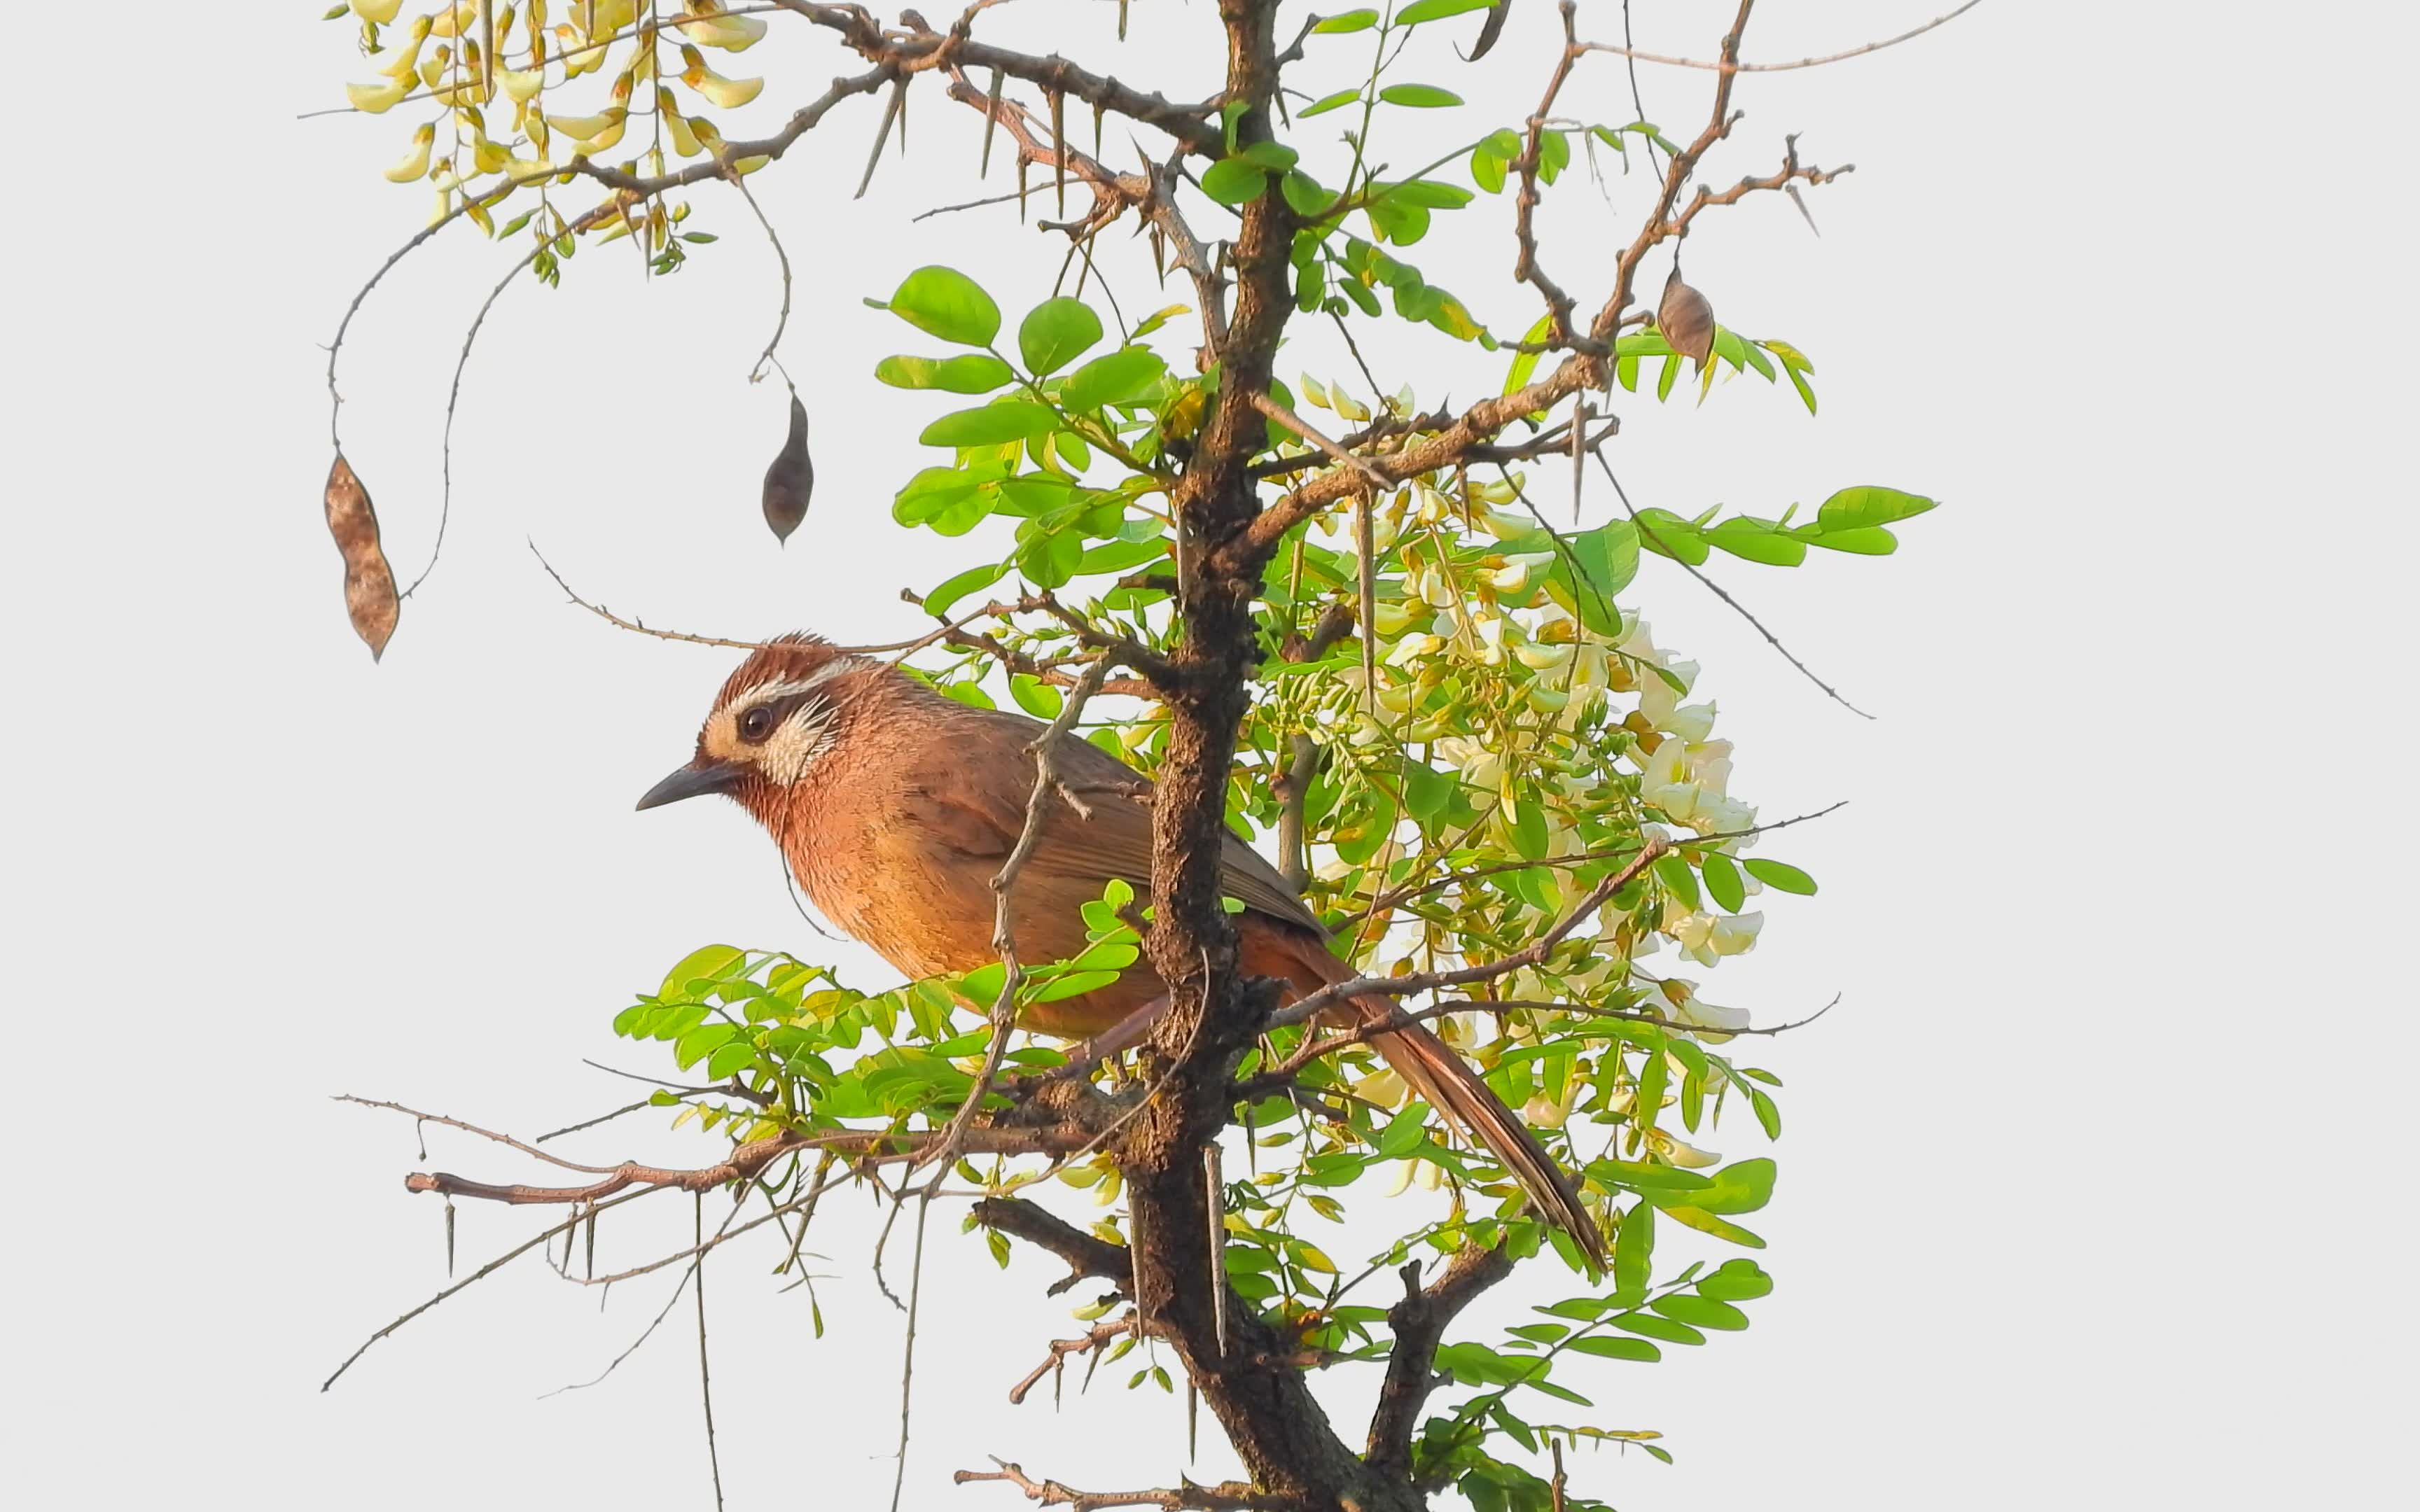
x,y
1489,30
1686,320
791,480
370,599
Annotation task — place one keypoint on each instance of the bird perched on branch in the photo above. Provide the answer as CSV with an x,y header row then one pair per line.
x,y
896,807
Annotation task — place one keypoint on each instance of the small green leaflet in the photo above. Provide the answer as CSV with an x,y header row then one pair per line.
x,y
948,304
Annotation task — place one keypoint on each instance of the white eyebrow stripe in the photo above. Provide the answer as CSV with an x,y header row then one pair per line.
x,y
786,687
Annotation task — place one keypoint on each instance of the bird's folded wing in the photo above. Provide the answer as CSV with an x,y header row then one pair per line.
x,y
1115,839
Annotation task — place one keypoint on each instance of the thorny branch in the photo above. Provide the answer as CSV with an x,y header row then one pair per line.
x,y
1099,1336
1231,1496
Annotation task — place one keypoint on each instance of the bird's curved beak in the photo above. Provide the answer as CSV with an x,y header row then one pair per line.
x,y
698,777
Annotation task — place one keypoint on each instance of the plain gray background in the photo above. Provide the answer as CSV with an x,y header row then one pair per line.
x,y
2094,1190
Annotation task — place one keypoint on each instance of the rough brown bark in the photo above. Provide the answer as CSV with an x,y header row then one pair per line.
x,y
1249,1382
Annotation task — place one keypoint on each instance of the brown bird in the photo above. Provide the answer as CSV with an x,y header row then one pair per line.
x,y
896,807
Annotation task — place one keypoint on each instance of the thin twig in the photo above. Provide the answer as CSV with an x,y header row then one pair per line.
x,y
1046,785
705,1373
921,641
1735,67
907,1354
1717,589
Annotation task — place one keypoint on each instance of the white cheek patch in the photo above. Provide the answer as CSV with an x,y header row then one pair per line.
x,y
802,739
807,734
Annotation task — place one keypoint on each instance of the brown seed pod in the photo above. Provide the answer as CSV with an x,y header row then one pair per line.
x,y
791,480
369,584
1686,320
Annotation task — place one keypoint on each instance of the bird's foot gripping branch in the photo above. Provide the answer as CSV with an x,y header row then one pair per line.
x,y
1277,805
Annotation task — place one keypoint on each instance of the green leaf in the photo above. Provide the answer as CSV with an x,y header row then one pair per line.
x,y
1275,156
1870,505
1768,1115
1426,193
710,963
974,579
1235,180
1633,1250
699,1042
1864,540
1398,220
1034,696
948,304
1701,1312
1418,96
1780,875
992,423
1401,1134
1486,169
1608,1348
1609,555
1755,541
1426,790
1525,364
1668,534
1742,1186
1554,154
730,1061
1117,556
1306,194
1706,1223
1056,332
1118,378
967,372
1723,882
1673,871
1650,1325
1736,1281
1335,101
1351,21
1421,11
1645,1177
1528,826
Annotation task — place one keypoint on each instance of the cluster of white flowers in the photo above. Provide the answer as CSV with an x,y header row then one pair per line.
x,y
1450,615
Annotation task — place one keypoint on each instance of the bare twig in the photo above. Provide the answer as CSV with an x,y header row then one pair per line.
x,y
1733,66
908,1347
542,1237
1046,785
921,641
705,1373
1717,589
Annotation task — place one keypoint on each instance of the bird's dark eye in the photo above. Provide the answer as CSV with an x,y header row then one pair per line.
x,y
756,723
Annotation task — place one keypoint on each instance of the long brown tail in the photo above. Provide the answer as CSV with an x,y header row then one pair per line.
x,y
1431,1067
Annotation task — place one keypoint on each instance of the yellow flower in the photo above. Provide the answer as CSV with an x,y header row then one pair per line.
x,y
378,99
723,94
414,163
593,133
